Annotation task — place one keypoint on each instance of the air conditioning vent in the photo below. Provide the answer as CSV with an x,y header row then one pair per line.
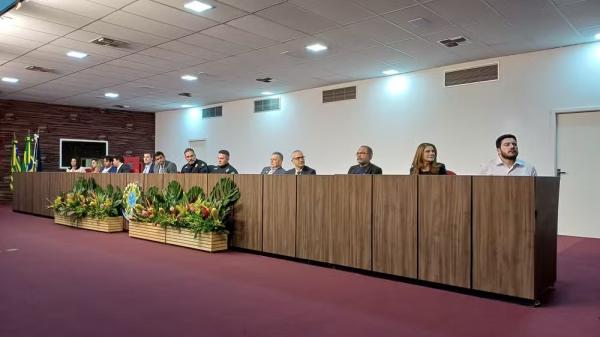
x,y
40,69
453,42
215,111
471,75
263,105
105,41
340,94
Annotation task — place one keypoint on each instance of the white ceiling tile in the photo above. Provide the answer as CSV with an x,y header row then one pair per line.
x,y
384,6
494,31
420,49
22,62
268,29
463,12
220,11
297,18
60,53
141,24
27,34
191,50
113,3
583,14
16,41
380,30
433,23
385,55
143,62
54,15
114,71
89,48
7,55
170,15
340,11
81,7
211,43
38,25
120,33
238,36
86,37
252,5
182,59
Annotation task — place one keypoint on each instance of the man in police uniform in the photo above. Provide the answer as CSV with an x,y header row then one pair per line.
x,y
223,165
193,165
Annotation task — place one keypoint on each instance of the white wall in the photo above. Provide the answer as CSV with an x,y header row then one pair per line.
x,y
462,121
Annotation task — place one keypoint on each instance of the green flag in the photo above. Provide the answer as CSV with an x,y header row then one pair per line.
x,y
15,163
27,156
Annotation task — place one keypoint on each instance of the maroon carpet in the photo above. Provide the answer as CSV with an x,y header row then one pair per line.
x,y
57,281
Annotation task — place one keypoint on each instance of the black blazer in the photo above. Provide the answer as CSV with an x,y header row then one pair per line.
x,y
305,171
124,169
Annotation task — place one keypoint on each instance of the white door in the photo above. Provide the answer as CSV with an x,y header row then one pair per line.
x,y
578,157
199,146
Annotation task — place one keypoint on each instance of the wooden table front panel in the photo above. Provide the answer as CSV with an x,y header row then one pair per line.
x,y
213,179
151,179
247,232
194,179
445,230
395,225
19,191
352,198
41,194
313,220
119,179
279,214
102,179
503,235
546,232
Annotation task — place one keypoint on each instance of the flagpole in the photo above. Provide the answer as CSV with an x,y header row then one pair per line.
x,y
35,150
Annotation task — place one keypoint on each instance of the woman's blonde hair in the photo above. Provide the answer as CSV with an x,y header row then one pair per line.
x,y
418,164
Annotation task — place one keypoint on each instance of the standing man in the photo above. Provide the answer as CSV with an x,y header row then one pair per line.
x,y
363,157
275,168
148,163
118,162
299,167
507,164
193,165
108,165
162,165
223,165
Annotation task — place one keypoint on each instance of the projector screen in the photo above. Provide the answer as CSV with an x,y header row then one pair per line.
x,y
83,150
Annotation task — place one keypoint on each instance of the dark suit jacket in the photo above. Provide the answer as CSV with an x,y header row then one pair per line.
x,y
266,170
150,170
112,169
124,169
369,169
170,167
305,171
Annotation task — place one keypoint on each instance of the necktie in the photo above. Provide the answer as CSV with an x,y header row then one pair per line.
x,y
271,171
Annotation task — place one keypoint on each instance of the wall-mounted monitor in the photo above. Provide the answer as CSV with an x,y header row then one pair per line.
x,y
82,149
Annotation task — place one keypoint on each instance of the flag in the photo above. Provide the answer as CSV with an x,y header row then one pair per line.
x,y
37,154
27,156
15,163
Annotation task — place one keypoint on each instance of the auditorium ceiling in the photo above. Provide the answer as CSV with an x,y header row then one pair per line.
x,y
225,49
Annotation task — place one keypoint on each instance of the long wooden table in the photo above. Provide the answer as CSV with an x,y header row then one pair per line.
x,y
494,234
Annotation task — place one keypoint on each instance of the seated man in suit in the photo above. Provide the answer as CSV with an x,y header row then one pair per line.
x,y
299,167
148,163
223,165
161,165
275,168
193,165
118,162
108,165
363,157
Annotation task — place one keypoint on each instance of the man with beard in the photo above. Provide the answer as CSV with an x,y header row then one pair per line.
x,y
223,165
507,164
363,157
193,165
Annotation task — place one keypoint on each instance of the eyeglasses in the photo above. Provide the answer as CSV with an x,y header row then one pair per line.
x,y
298,158
362,153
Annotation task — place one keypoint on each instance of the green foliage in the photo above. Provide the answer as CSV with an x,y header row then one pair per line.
x,y
224,196
195,193
87,198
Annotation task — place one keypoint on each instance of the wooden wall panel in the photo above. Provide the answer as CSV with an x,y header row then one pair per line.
x,y
503,235
179,177
213,179
351,221
138,178
279,214
546,231
102,179
127,132
195,179
27,202
55,186
153,180
395,225
119,180
20,191
445,230
247,213
313,221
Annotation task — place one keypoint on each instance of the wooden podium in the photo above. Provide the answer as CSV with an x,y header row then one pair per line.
x,y
491,234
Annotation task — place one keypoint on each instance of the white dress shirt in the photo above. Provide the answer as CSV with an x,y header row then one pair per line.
x,y
497,168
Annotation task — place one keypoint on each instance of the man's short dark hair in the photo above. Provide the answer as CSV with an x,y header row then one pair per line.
x,y
158,153
503,137
225,152
278,154
119,158
108,158
150,153
189,149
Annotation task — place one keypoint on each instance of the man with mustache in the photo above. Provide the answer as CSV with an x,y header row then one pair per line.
x,y
507,164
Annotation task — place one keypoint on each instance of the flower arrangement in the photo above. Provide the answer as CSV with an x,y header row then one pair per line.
x,y
192,210
88,199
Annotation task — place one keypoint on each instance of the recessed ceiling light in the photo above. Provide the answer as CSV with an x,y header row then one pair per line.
x,y
10,79
390,72
111,95
317,47
189,77
597,36
76,54
197,6
186,106
266,93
